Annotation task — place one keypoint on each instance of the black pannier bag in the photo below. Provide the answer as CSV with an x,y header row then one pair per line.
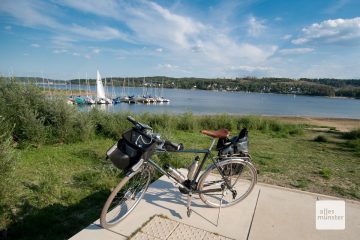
x,y
133,146
236,146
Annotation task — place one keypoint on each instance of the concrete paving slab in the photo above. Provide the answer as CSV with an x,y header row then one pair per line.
x,y
212,236
268,212
187,232
143,236
164,198
287,214
95,232
160,227
181,231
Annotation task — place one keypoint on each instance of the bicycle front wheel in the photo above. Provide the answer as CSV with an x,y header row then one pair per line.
x,y
239,174
125,197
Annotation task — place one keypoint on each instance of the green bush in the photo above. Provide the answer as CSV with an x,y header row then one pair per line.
x,y
321,138
38,119
352,135
264,125
186,122
109,124
325,173
165,122
7,161
216,122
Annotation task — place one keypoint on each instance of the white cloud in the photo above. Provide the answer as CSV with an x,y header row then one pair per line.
x,y
288,51
256,26
99,33
35,45
248,68
75,54
278,19
57,51
168,66
8,28
336,31
193,43
28,13
37,14
96,50
181,35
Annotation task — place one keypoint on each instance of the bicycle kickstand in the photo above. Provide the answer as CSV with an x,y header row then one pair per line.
x,y
221,201
189,199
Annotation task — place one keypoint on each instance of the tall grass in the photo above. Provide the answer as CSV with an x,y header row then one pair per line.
x,y
352,135
38,119
353,140
113,124
7,162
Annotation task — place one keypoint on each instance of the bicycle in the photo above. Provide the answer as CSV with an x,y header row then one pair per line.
x,y
229,179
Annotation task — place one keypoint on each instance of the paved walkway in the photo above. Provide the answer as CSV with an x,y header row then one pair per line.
x,y
269,212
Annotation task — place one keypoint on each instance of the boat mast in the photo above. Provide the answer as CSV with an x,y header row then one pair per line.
x,y
162,88
70,88
87,84
43,81
112,88
79,84
49,89
123,89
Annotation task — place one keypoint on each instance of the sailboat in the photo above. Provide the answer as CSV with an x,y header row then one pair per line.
x,y
100,92
124,97
161,99
71,99
79,99
88,99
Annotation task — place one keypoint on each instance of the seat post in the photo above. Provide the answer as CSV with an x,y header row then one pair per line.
x,y
212,144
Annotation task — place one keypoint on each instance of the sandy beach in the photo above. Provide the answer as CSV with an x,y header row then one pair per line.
x,y
341,124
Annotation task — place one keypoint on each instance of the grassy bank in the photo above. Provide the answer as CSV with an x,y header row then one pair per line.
x,y
59,189
57,179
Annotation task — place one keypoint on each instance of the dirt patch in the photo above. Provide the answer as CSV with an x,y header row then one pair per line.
x,y
340,124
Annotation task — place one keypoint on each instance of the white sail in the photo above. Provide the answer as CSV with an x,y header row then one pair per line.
x,y
100,92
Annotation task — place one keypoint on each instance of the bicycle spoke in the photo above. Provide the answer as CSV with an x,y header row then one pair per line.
x,y
237,179
126,198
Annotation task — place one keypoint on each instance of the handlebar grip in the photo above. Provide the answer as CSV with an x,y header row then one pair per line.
x,y
132,120
169,146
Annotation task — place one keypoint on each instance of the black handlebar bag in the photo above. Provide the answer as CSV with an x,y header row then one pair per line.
x,y
133,146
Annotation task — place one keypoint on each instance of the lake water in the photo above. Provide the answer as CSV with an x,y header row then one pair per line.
x,y
211,102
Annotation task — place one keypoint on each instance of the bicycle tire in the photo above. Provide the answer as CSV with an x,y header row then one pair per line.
x,y
211,179
110,215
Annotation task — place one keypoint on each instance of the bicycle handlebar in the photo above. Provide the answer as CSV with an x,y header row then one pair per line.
x,y
170,146
167,145
132,120
137,124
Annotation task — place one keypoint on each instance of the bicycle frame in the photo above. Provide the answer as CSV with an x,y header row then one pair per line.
x,y
207,153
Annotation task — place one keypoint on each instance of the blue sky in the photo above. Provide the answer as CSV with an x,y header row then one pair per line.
x,y
65,39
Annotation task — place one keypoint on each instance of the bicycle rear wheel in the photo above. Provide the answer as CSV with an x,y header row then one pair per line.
x,y
125,197
241,176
